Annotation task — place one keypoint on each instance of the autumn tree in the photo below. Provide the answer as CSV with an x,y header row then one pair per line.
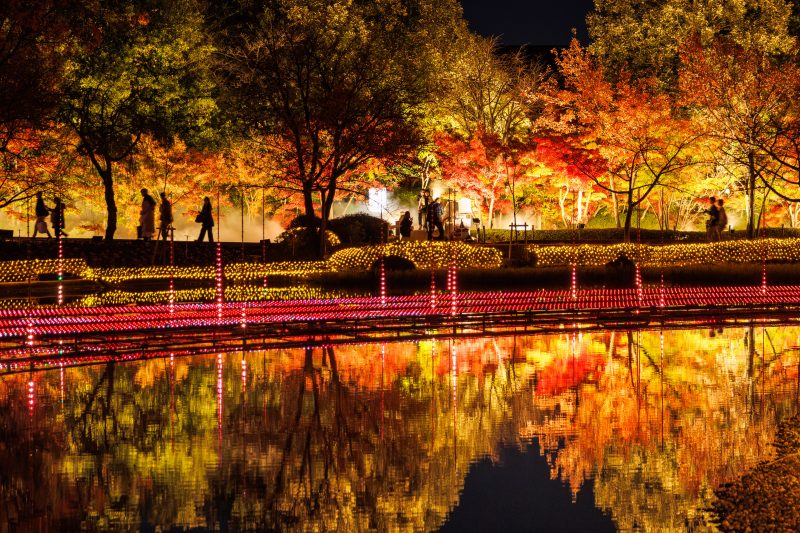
x,y
34,37
482,166
749,104
143,72
642,38
328,85
636,128
34,161
494,104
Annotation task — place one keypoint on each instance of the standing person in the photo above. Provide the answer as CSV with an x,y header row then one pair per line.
x,y
207,220
435,212
147,216
41,217
57,217
405,225
165,216
713,219
422,208
723,219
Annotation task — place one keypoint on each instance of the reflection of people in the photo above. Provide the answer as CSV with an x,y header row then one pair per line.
x,y
722,222
207,220
435,212
147,216
57,218
405,225
165,216
713,220
41,216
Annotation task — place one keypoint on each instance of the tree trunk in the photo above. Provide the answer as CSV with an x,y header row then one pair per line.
x,y
614,200
106,175
751,200
308,200
628,218
111,203
326,207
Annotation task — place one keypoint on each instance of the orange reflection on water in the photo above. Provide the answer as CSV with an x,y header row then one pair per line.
x,y
382,436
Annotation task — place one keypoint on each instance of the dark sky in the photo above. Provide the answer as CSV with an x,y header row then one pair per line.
x,y
536,22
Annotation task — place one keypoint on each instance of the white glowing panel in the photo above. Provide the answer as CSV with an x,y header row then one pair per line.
x,y
376,200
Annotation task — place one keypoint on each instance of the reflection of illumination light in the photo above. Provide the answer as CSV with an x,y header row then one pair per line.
x,y
464,205
376,202
244,375
220,390
30,397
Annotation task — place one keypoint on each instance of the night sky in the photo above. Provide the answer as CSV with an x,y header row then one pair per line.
x,y
536,22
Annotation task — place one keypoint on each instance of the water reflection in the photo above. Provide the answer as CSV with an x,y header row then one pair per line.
x,y
383,437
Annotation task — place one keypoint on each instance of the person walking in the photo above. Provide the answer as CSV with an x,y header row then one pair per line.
x,y
207,220
722,222
147,216
405,225
165,216
57,218
41,217
435,213
713,220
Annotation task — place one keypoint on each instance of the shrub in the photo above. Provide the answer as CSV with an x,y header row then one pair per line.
x,y
360,228
423,254
394,262
303,241
772,250
305,221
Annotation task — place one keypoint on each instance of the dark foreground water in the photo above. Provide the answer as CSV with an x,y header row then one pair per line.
x,y
569,432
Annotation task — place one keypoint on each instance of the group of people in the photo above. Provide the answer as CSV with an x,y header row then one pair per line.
x,y
56,217
147,216
430,216
717,219
146,228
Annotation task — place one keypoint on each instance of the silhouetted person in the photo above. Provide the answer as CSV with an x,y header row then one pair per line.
x,y
147,216
405,225
423,202
435,214
57,218
207,220
165,216
41,217
713,219
723,219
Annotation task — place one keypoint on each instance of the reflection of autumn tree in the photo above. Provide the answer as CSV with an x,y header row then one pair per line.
x,y
649,431
382,437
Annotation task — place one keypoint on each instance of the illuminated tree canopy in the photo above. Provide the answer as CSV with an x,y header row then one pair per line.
x,y
287,107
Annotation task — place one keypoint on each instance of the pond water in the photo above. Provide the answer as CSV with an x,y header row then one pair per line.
x,y
578,431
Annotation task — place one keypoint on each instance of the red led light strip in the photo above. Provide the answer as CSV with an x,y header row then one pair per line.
x,y
43,322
